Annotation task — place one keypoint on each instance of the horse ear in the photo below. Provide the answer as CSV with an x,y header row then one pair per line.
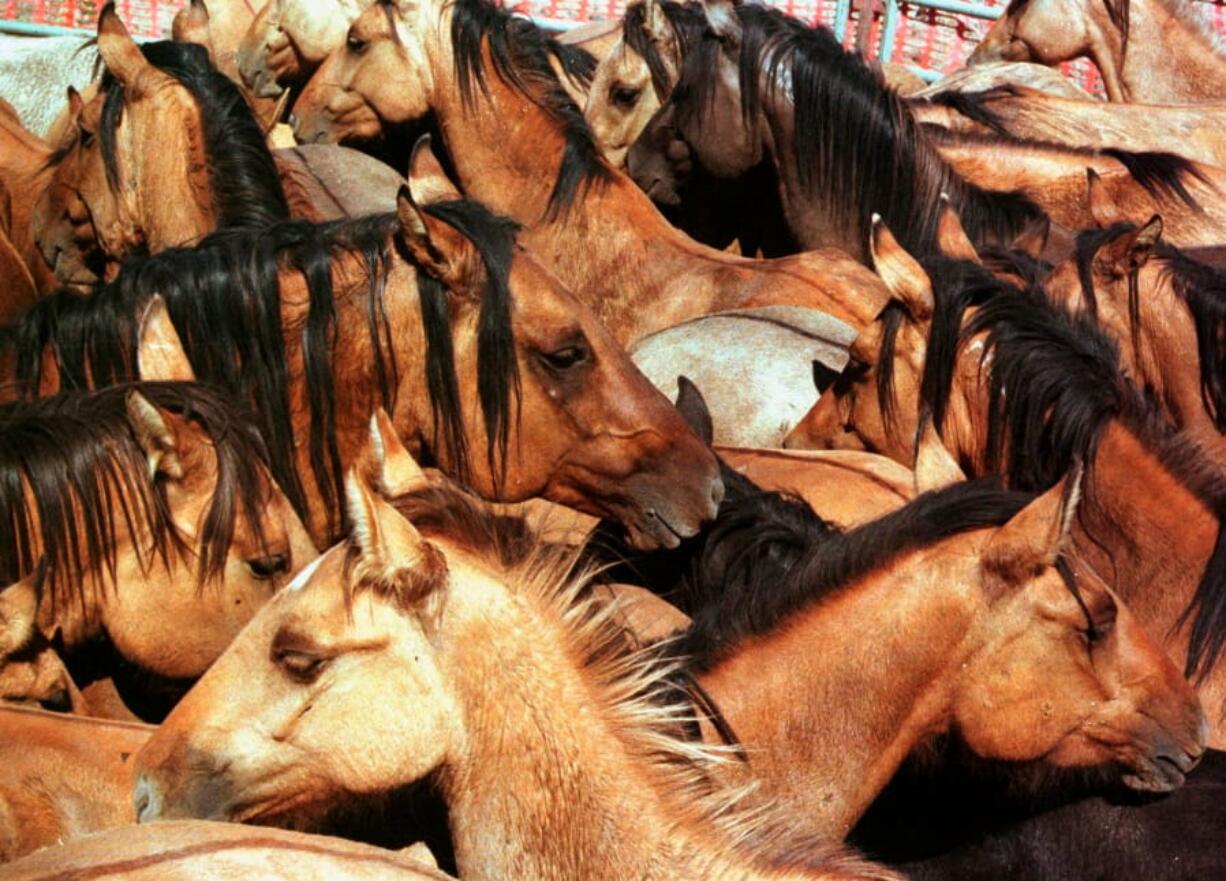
x,y
392,468
1034,538
952,240
191,25
393,557
935,468
428,182
76,107
693,408
154,436
118,50
901,272
1129,251
435,245
722,19
19,613
159,354
655,22
1033,239
273,120
1103,208
823,376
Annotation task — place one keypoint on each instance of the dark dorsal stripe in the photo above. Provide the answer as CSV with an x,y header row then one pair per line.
x,y
88,476
225,301
246,186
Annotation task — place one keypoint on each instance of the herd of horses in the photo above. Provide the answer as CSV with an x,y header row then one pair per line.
x,y
732,459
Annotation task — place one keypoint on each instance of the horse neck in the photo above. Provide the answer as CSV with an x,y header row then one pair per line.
x,y
870,672
1152,555
612,248
1056,178
545,786
1146,71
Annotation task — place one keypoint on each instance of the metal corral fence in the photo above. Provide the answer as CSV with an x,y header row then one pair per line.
x,y
932,36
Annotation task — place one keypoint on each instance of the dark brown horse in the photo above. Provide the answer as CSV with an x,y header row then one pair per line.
x,y
487,365
841,143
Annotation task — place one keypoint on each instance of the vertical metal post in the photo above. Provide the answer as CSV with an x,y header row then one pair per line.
x,y
889,30
842,14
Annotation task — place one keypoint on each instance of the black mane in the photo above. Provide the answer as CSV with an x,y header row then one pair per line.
x,y
87,475
520,51
742,601
246,186
1054,385
225,301
855,141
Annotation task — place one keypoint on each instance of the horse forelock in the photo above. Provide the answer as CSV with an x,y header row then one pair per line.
x,y
87,476
498,379
687,23
520,52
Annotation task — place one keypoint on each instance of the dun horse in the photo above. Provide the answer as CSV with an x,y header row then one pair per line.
x,y
500,676
519,144
1127,39
153,512
487,365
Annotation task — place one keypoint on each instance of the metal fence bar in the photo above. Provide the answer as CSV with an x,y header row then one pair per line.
x,y
974,10
889,30
842,14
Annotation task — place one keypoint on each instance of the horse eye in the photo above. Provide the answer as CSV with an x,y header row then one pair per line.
x,y
301,666
565,358
57,702
625,96
269,567
356,45
1101,628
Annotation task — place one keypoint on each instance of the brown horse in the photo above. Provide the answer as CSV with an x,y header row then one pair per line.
x,y
1188,130
31,673
475,70
432,618
64,777
1159,306
147,503
489,367
111,195
954,615
1128,43
1058,179
200,851
24,174
841,143
1052,393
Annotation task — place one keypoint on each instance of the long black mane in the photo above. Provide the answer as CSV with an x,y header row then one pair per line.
x,y
1054,385
1200,286
521,51
225,301
75,455
246,186
855,143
